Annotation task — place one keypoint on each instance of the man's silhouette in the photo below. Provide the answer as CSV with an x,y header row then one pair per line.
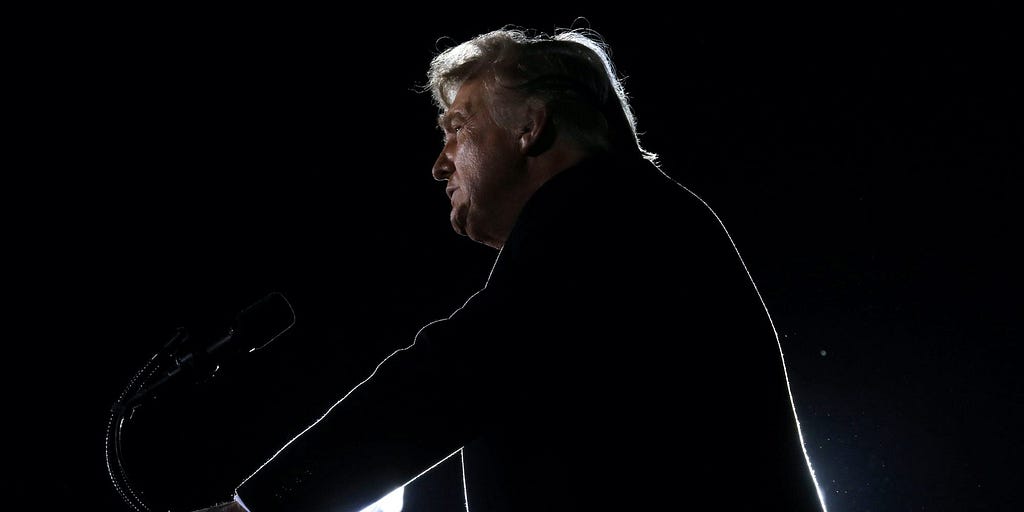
x,y
619,353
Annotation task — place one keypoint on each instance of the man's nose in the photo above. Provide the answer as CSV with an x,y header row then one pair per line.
x,y
443,166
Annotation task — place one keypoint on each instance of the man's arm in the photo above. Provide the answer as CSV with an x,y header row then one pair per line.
x,y
420,405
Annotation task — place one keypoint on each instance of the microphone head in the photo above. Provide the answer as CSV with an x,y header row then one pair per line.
x,y
262,322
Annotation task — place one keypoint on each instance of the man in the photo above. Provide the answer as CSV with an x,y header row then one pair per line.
x,y
619,353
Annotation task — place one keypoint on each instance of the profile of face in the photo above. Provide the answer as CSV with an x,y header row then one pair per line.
x,y
484,165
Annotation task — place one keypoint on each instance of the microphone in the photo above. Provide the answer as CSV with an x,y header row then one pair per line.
x,y
253,328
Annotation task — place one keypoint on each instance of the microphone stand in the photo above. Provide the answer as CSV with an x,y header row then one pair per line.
x,y
137,390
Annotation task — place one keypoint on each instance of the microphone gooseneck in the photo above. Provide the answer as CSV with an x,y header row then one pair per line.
x,y
253,328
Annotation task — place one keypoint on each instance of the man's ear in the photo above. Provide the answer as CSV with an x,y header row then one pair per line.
x,y
536,134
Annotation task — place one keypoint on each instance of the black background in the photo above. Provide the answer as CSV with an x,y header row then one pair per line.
x,y
171,167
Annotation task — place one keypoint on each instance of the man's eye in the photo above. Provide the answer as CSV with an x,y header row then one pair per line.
x,y
456,129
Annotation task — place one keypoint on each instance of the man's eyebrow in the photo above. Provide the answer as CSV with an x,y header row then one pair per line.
x,y
445,120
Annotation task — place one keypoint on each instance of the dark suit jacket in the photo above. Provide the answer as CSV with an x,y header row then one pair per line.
x,y
618,357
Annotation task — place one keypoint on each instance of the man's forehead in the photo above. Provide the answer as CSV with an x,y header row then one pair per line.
x,y
467,95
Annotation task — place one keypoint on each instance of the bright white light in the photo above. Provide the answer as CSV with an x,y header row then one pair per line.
x,y
391,503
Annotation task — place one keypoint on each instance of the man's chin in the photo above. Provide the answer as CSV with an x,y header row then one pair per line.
x,y
457,224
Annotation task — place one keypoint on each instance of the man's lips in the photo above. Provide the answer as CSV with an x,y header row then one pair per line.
x,y
450,191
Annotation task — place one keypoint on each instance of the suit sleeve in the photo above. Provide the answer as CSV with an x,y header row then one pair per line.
x,y
420,405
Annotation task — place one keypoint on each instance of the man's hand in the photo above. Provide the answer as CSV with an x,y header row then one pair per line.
x,y
230,506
